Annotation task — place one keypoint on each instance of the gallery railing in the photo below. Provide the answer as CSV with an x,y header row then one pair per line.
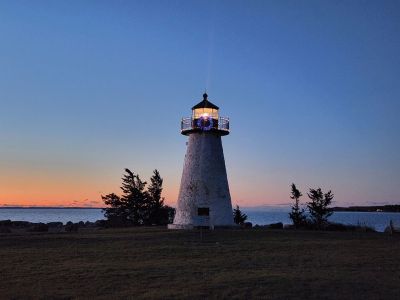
x,y
222,123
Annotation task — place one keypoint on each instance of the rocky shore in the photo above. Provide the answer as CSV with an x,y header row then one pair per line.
x,y
8,226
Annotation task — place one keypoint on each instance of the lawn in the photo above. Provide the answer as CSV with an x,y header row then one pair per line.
x,y
156,263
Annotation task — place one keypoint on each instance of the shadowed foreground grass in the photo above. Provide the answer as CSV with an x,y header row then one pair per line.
x,y
242,264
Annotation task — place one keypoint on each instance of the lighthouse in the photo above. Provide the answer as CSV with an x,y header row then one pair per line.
x,y
204,199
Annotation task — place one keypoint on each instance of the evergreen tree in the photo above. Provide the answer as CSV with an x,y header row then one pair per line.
x,y
138,206
155,203
117,213
134,197
238,216
319,207
297,214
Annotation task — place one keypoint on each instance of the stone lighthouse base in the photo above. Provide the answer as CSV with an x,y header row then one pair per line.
x,y
180,226
189,227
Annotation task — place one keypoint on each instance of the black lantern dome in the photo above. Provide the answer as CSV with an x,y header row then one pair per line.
x,y
205,103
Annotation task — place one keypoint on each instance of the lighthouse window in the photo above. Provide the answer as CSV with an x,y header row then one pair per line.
x,y
203,211
199,112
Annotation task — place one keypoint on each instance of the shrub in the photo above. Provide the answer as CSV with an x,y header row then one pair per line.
x,y
40,227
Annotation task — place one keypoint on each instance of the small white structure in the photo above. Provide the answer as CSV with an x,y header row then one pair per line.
x,y
204,199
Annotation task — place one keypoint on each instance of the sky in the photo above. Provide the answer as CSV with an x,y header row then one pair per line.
x,y
88,88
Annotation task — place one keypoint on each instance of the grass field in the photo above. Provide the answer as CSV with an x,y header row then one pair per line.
x,y
153,263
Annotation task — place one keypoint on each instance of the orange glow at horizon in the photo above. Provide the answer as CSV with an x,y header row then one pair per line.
x,y
40,186
62,190
83,195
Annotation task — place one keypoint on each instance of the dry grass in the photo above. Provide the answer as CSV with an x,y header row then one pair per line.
x,y
157,263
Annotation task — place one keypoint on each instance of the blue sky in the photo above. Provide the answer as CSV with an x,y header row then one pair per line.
x,y
88,88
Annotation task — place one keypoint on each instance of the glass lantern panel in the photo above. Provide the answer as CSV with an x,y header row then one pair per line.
x,y
198,112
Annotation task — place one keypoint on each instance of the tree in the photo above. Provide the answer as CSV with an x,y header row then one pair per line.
x,y
319,207
155,202
138,206
238,216
166,215
134,197
158,213
130,207
297,214
117,213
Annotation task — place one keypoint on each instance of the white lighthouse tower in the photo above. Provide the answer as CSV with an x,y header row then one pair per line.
x,y
204,198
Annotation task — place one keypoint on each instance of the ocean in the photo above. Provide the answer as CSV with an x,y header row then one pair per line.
x,y
260,216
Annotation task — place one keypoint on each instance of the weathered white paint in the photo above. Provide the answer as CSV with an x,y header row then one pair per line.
x,y
204,183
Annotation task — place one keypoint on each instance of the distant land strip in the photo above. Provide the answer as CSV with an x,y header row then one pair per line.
x,y
376,208
379,208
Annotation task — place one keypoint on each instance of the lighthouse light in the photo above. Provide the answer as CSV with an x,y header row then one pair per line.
x,y
202,112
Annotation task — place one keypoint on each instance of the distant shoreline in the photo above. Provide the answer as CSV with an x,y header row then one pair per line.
x,y
376,208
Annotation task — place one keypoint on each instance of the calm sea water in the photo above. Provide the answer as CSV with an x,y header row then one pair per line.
x,y
377,220
260,216
46,215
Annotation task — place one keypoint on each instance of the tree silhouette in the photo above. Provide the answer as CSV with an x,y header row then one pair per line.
x,y
158,213
238,216
117,213
297,214
134,197
319,207
138,206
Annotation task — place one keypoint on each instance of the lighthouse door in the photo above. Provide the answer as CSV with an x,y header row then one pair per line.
x,y
203,216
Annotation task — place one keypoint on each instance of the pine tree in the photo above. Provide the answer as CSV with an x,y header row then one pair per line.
x,y
117,213
134,197
238,216
155,203
138,206
319,207
129,208
297,214
158,213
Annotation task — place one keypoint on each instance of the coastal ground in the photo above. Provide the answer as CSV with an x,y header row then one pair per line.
x,y
155,263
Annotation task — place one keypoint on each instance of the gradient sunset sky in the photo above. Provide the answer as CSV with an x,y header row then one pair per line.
x,y
88,88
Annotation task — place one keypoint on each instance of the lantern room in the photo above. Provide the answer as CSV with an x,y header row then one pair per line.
x,y
205,118
205,109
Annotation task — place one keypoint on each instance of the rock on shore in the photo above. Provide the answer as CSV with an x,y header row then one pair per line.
x,y
8,226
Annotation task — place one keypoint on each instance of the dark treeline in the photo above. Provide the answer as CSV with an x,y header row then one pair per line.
x,y
138,205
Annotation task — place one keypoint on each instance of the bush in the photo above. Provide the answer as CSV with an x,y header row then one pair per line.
x,y
101,223
55,224
5,223
117,221
239,217
40,227
21,224
71,227
247,225
278,225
